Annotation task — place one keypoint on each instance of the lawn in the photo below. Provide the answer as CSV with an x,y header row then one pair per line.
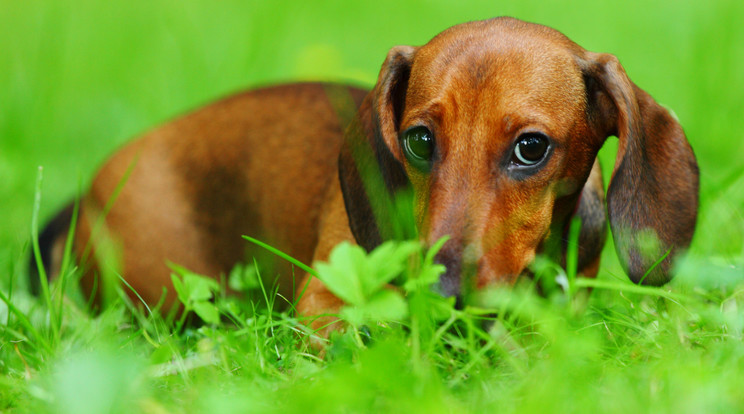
x,y
79,78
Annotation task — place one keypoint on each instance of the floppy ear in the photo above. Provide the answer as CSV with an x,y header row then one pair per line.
x,y
652,199
593,233
369,173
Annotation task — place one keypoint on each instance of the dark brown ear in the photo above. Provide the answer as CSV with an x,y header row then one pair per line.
x,y
591,211
371,176
652,199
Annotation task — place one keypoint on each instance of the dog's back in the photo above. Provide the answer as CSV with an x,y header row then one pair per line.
x,y
257,163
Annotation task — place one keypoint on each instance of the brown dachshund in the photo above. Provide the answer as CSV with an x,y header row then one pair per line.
x,y
494,125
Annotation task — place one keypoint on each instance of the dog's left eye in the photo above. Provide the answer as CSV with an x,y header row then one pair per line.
x,y
530,149
418,145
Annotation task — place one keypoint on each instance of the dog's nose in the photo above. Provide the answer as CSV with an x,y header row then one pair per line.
x,y
450,281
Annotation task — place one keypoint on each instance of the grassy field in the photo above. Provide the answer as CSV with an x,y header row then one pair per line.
x,y
79,78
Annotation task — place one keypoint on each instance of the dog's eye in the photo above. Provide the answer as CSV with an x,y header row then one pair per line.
x,y
530,149
418,145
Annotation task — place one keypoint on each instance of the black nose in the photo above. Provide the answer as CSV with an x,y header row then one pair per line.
x,y
450,281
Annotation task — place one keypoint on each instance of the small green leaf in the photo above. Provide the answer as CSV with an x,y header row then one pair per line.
x,y
200,288
438,307
180,289
354,276
243,278
434,249
192,286
386,262
207,312
354,315
429,272
342,273
387,305
427,276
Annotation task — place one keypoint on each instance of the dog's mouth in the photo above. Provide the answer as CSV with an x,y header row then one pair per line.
x,y
461,280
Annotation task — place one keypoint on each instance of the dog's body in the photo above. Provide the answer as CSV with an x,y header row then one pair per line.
x,y
258,163
494,125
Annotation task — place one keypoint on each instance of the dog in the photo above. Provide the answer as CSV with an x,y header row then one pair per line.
x,y
493,126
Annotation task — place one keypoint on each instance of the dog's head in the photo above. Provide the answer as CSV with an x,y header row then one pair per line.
x,y
495,125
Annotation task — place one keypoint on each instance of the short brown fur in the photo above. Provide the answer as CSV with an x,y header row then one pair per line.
x,y
276,164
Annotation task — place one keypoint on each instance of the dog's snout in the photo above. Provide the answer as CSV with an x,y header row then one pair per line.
x,y
450,281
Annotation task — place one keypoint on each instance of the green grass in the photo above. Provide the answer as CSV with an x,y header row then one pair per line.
x,y
80,78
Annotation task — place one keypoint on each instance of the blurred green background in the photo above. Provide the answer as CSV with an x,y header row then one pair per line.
x,y
80,77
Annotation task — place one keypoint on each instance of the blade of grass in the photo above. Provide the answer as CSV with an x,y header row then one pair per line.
x,y
269,305
66,259
629,287
572,254
37,256
656,263
283,255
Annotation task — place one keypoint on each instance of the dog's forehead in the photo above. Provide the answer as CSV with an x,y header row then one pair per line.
x,y
502,38
505,63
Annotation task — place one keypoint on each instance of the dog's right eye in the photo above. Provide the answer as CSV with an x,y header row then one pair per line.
x,y
530,149
418,145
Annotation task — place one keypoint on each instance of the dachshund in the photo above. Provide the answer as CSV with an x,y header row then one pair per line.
x,y
493,126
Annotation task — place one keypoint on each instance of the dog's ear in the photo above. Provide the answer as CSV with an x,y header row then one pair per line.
x,y
652,199
370,175
591,211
